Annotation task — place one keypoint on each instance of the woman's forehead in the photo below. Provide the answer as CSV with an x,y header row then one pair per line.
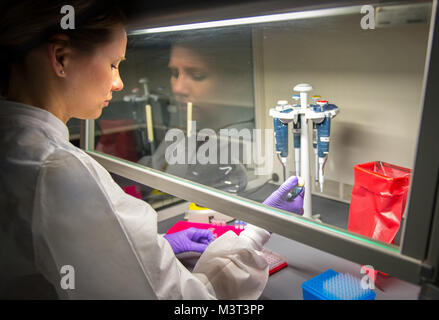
x,y
118,43
188,57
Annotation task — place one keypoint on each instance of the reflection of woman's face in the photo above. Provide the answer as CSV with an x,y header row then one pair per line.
x,y
193,78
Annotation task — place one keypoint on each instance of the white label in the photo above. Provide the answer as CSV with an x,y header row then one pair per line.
x,y
324,139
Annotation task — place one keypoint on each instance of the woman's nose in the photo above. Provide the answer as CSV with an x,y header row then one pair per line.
x,y
180,86
117,83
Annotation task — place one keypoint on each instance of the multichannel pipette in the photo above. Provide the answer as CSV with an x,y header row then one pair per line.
x,y
323,133
281,135
296,135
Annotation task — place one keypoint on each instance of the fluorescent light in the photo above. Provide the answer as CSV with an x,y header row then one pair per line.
x,y
252,20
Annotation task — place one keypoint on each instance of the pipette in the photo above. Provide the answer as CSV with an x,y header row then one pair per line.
x,y
316,108
296,135
323,133
281,136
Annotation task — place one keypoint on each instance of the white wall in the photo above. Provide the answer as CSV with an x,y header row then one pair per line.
x,y
374,76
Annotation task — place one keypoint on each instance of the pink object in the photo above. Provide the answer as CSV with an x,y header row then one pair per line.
x,y
275,261
132,191
216,230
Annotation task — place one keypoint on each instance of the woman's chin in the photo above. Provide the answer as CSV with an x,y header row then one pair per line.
x,y
95,115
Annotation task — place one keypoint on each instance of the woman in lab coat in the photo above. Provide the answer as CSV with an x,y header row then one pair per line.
x,y
67,230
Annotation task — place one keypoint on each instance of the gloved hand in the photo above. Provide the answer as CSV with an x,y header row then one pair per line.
x,y
278,199
191,239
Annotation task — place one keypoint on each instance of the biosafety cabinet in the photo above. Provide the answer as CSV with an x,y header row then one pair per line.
x,y
203,89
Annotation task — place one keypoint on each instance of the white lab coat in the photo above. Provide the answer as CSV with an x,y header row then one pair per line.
x,y
60,207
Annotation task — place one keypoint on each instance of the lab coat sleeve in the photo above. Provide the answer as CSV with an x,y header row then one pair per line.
x,y
80,244
234,265
83,221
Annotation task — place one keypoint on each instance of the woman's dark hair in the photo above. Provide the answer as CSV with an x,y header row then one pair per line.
x,y
27,24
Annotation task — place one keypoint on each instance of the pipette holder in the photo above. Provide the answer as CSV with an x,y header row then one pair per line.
x,y
306,113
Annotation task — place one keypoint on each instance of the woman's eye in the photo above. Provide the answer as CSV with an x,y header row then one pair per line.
x,y
198,76
174,73
113,66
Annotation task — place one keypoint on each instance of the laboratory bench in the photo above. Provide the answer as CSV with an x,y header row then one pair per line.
x,y
305,262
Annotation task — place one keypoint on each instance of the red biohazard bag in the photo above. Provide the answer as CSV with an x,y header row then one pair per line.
x,y
378,200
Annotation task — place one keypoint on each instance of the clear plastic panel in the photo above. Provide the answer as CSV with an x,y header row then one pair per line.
x,y
196,103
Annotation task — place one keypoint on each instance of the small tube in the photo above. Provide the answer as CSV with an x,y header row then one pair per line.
x,y
149,127
189,119
296,190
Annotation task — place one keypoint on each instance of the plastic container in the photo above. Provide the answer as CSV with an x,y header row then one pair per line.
x,y
275,261
331,285
378,200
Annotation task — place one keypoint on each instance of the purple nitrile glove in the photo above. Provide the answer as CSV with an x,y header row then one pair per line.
x,y
192,239
279,198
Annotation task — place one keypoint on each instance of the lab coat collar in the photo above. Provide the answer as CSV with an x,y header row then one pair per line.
x,y
49,120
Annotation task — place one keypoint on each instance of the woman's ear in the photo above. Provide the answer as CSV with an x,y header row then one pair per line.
x,y
60,54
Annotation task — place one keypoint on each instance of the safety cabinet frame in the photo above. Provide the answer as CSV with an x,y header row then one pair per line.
x,y
415,261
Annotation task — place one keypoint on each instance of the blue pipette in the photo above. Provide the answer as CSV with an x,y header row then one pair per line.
x,y
281,135
316,108
296,135
323,134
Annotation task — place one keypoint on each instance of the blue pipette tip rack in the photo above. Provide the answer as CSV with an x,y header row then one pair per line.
x,y
331,285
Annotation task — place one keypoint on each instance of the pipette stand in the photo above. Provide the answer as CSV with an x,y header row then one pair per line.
x,y
306,113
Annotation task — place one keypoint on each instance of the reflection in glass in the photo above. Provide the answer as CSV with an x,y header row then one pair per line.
x,y
227,78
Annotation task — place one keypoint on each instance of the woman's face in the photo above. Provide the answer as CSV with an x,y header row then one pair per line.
x,y
193,79
91,79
